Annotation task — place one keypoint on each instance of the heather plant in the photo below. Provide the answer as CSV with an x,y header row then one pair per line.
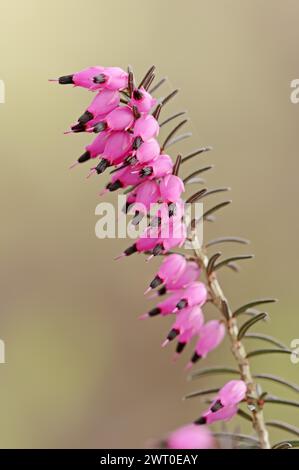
x,y
125,119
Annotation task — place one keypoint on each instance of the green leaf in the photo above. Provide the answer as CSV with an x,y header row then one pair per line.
x,y
148,74
160,83
200,393
249,324
284,426
196,152
172,133
252,304
179,138
233,258
176,167
266,338
212,261
216,208
216,191
212,371
216,241
259,352
278,380
196,196
197,172
173,116
169,97
241,437
286,445
282,445
281,401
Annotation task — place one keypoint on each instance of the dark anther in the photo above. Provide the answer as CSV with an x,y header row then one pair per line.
x,y
102,166
136,112
99,127
171,209
114,186
84,157
146,171
201,420
173,334
156,222
158,249
100,78
87,116
129,251
127,207
155,311
180,347
182,304
137,143
162,291
137,218
195,358
157,281
217,406
80,127
66,80
131,160
137,95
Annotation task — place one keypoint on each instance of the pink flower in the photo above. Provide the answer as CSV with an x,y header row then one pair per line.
x,y
148,151
93,78
120,119
223,414
122,178
165,307
172,234
158,168
185,337
84,78
94,149
195,294
146,242
117,145
224,406
146,128
171,187
143,101
146,194
230,394
111,78
211,335
84,127
189,320
190,274
104,102
191,437
172,266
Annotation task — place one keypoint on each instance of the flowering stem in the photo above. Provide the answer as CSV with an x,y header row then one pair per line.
x,y
219,300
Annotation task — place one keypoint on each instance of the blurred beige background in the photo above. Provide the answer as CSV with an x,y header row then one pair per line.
x,y
81,370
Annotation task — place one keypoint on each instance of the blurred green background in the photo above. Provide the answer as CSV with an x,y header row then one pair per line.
x,y
81,370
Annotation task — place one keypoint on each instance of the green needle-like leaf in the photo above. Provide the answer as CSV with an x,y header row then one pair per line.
x,y
254,303
213,371
249,324
267,338
259,352
284,426
200,393
233,258
279,380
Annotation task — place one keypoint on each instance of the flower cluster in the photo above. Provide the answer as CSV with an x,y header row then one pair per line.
x,y
125,119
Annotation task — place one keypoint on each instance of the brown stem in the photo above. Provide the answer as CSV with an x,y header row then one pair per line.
x,y
219,300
